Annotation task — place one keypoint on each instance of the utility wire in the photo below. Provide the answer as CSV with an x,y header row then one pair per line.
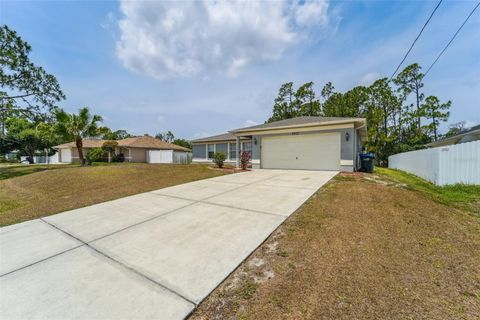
x,y
418,36
451,40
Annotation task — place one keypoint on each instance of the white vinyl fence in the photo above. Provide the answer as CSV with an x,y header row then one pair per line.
x,y
453,164
182,157
43,159
168,156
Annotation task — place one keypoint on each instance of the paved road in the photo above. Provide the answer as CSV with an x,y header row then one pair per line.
x,y
154,255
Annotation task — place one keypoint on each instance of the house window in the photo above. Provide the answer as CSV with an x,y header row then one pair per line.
x,y
247,147
199,151
233,151
211,151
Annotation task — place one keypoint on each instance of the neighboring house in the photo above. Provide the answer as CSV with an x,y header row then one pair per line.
x,y
39,158
12,155
313,143
472,134
135,149
53,159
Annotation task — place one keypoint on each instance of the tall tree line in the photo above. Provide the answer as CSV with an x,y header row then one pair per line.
x,y
400,117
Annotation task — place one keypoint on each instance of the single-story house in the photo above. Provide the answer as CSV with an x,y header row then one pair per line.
x,y
135,149
309,143
469,135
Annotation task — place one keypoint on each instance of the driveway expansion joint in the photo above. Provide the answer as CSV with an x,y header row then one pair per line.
x,y
193,202
123,265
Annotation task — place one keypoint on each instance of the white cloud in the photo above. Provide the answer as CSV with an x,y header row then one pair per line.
x,y
108,22
250,123
311,13
469,124
160,118
165,39
369,78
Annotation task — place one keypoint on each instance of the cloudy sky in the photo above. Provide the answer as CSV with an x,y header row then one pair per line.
x,y
204,67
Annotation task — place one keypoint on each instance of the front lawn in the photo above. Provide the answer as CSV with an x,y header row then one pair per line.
x,y
17,170
28,192
363,247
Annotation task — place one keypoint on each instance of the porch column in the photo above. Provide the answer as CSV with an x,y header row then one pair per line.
x,y
237,152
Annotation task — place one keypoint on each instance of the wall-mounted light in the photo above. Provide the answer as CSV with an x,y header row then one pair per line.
x,y
255,141
347,136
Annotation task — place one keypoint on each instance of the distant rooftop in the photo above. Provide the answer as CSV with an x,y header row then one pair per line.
x,y
459,137
133,142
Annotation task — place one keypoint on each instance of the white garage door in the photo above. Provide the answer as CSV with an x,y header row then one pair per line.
x,y
66,155
160,156
308,152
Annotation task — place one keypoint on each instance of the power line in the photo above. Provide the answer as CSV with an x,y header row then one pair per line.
x,y
451,40
418,36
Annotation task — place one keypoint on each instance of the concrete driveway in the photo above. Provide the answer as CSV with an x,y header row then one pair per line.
x,y
154,255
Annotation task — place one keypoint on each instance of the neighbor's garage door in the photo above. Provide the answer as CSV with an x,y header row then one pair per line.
x,y
160,156
66,155
308,151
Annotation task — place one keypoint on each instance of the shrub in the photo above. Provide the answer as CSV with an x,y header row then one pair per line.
x,y
95,155
118,158
110,146
219,158
244,159
3,159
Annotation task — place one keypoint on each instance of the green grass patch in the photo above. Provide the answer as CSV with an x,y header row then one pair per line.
x,y
7,203
457,195
12,171
27,194
248,290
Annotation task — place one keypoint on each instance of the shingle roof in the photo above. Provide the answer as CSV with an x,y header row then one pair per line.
x,y
150,143
134,142
219,137
298,121
87,143
473,130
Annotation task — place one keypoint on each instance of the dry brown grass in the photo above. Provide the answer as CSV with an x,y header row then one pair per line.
x,y
359,250
43,193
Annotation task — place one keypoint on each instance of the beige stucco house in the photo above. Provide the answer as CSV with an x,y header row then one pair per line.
x,y
135,149
310,143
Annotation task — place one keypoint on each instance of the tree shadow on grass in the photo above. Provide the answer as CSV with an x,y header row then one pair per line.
x,y
8,172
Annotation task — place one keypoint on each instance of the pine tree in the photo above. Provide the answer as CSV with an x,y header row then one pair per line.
x,y
283,107
306,102
410,81
437,112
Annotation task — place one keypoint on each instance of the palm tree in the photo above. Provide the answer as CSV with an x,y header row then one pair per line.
x,y
76,127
